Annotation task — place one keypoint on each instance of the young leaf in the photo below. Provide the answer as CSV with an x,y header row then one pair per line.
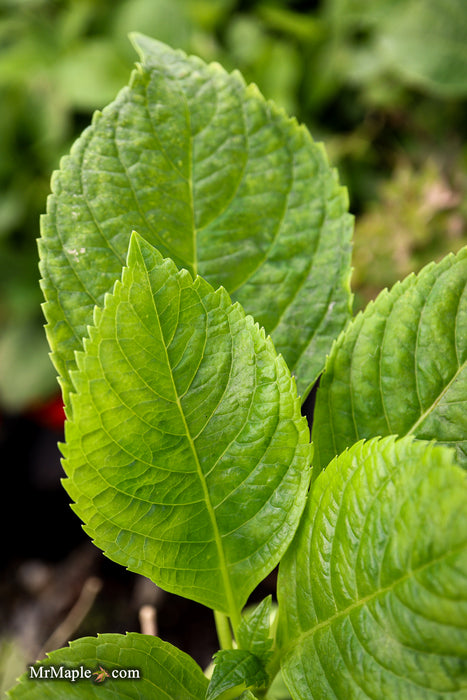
x,y
235,668
219,180
400,367
246,666
254,630
373,591
187,457
165,672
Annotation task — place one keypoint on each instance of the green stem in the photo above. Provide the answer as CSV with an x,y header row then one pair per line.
x,y
224,632
274,665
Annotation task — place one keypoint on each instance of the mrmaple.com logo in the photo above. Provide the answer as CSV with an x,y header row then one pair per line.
x,y
65,673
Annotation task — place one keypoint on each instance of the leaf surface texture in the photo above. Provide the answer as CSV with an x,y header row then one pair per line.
x,y
187,457
219,180
166,673
400,367
373,591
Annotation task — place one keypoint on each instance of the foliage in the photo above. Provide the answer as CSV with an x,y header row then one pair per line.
x,y
236,213
358,74
186,454
365,592
400,366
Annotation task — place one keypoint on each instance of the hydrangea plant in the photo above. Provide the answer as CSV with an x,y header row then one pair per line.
x,y
195,261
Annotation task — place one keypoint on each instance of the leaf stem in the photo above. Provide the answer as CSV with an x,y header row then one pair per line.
x,y
224,632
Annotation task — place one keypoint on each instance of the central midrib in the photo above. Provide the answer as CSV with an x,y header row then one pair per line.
x,y
190,190
217,536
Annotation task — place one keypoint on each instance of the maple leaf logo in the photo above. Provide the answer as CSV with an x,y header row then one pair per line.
x,y
101,675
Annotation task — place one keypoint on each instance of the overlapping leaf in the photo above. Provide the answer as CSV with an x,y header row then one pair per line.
x,y
219,180
245,666
254,630
187,457
401,366
236,669
373,591
164,671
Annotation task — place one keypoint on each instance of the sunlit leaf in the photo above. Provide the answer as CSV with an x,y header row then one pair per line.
x,y
164,672
373,591
401,366
187,457
219,180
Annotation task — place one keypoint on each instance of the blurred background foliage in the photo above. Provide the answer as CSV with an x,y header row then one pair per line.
x,y
382,83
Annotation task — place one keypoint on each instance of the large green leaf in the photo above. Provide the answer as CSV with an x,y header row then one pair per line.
x,y
219,180
165,673
401,366
187,457
373,591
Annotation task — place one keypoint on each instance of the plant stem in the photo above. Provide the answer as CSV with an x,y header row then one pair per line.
x,y
224,632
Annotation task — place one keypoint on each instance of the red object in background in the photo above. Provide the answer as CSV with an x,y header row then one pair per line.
x,y
49,414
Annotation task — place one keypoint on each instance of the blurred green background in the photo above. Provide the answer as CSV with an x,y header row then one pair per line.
x,y
382,83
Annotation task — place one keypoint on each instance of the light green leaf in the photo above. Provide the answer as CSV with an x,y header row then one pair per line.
x,y
187,457
373,591
245,666
254,630
235,668
219,180
401,366
165,672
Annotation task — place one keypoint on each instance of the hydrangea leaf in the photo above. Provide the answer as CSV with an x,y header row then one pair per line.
x,y
247,665
218,179
165,672
187,457
235,668
373,590
400,367
254,630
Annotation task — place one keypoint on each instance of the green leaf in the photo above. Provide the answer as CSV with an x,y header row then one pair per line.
x,y
235,668
245,666
219,180
253,632
401,366
373,591
165,672
187,457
